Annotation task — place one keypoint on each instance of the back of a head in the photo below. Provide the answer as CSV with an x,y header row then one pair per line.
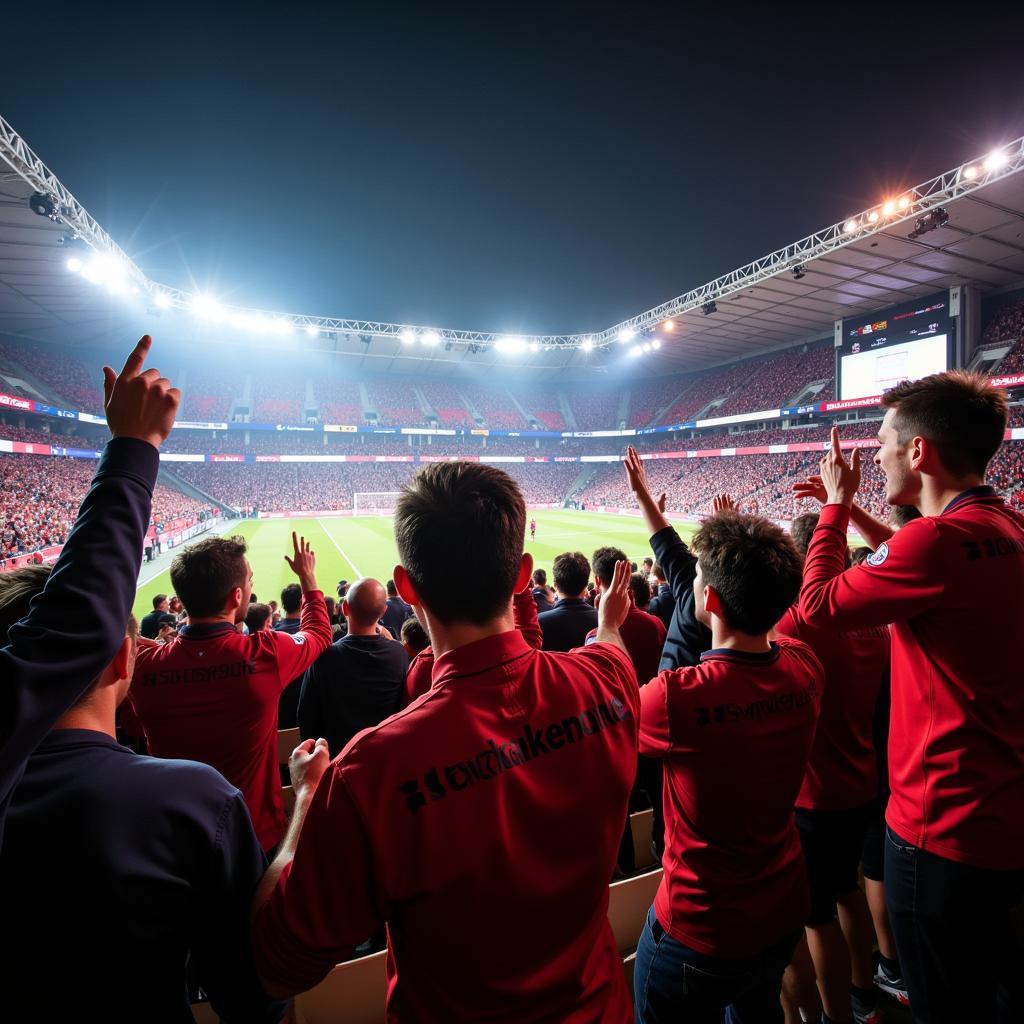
x,y
958,411
205,573
462,513
392,589
571,572
641,590
754,567
604,564
413,635
540,578
257,616
158,601
367,601
17,588
900,515
291,599
801,530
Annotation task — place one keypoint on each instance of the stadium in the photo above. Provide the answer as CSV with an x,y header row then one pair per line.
x,y
292,423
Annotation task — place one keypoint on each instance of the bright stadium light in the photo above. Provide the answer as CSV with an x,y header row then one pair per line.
x,y
283,326
656,344
904,202
646,346
669,325
312,330
850,226
995,161
431,338
635,351
873,217
970,173
407,336
74,264
163,300
206,307
626,334
534,346
510,346
888,208
587,345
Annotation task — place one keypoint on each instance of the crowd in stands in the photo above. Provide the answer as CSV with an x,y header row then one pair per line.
x,y
593,408
769,709
396,402
340,401
446,401
1007,324
209,393
279,398
62,372
542,401
495,406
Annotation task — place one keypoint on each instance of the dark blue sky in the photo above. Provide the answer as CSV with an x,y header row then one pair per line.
x,y
511,169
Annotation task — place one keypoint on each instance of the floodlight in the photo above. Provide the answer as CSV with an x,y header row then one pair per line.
x,y
635,351
996,160
873,217
850,226
904,202
656,344
888,208
283,325
510,346
626,334
534,346
933,219
206,307
970,173
74,264
312,330
646,346
669,325
162,299
587,344
431,338
407,335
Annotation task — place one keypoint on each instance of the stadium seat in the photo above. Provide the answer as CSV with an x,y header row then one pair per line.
x,y
287,741
628,903
353,993
642,824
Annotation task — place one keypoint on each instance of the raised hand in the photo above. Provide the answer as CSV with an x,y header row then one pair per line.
x,y
139,403
304,563
722,503
636,475
839,479
306,766
812,487
615,601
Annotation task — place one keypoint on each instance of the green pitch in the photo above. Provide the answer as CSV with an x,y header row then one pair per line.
x,y
348,548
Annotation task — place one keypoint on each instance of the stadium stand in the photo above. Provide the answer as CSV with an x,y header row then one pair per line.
x,y
62,371
445,400
278,399
395,401
339,400
208,395
542,402
495,406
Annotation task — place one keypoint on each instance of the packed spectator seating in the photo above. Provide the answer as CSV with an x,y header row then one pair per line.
x,y
543,483
278,399
542,402
339,399
40,495
209,393
1007,324
445,400
593,408
648,397
29,436
1013,361
495,406
63,372
395,401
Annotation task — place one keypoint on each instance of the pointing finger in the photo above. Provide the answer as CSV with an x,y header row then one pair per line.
x,y
136,358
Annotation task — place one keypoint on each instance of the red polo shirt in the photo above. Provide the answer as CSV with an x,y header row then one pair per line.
x,y
842,773
482,824
644,637
735,732
953,587
211,695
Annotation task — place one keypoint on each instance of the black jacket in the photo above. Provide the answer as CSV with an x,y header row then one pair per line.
x,y
687,638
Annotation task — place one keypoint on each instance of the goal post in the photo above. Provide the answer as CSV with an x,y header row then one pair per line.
x,y
374,503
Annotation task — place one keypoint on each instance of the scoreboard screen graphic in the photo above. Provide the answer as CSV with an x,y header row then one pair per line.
x,y
903,343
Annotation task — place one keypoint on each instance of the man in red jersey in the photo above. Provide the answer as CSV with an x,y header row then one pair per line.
x,y
735,732
211,694
836,802
482,822
952,585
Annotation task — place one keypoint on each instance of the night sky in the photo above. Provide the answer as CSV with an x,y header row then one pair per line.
x,y
517,169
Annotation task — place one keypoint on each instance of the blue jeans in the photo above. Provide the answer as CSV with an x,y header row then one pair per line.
x,y
673,983
958,951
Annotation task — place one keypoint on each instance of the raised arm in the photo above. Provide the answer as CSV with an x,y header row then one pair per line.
x,y
297,651
873,530
77,623
652,510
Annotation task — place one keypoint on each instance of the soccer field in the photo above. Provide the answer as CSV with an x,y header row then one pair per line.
x,y
350,547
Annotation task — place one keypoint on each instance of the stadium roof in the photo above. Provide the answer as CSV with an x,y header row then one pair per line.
x,y
859,265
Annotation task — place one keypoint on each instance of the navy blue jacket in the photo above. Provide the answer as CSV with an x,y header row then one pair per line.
x,y
76,625
288,702
662,604
115,868
687,638
398,611
567,624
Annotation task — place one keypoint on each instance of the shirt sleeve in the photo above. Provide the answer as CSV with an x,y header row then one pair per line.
x,y
900,580
655,734
77,623
419,676
323,904
221,945
524,615
677,560
613,662
297,651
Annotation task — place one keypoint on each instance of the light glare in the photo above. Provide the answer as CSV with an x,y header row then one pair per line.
x,y
970,172
74,264
995,160
431,338
850,226
162,299
626,334
312,330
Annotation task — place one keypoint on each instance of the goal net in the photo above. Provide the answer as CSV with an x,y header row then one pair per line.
x,y
374,503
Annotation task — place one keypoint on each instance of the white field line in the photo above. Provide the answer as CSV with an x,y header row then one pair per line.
x,y
330,537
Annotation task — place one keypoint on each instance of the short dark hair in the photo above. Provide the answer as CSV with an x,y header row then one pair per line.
x,y
648,561
604,563
540,577
857,555
291,598
958,411
413,634
641,590
158,600
801,529
206,572
571,571
392,589
462,512
754,567
257,615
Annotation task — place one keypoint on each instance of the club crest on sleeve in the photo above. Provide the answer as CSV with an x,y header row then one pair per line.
x,y
879,556
297,638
